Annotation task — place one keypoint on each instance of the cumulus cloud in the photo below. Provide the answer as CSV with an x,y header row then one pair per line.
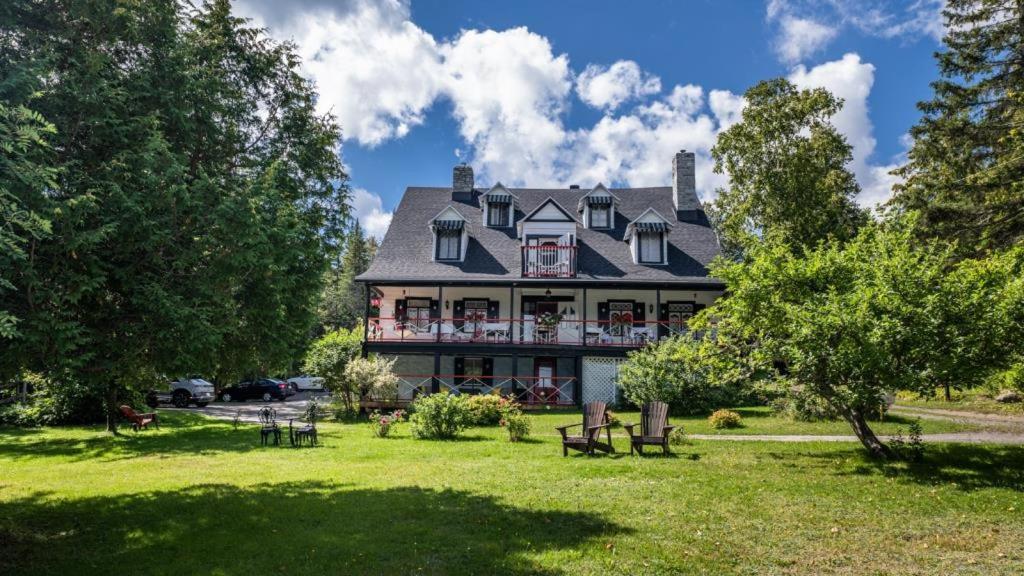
x,y
801,37
851,79
375,70
368,208
607,88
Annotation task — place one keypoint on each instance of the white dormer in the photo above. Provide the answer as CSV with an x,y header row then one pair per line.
x,y
498,206
647,236
450,236
598,208
548,220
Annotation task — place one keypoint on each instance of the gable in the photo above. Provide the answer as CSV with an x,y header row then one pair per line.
x,y
549,211
448,213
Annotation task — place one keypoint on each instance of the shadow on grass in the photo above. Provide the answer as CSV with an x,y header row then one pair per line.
x,y
180,433
969,466
291,527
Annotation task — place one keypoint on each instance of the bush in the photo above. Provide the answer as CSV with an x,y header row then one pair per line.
x,y
517,424
329,356
678,437
720,419
803,407
485,409
381,424
439,416
673,372
372,378
60,402
911,449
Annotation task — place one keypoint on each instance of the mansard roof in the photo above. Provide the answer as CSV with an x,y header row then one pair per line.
x,y
494,255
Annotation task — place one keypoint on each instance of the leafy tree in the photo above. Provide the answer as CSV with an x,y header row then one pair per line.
x,y
674,371
23,173
196,195
849,323
787,171
965,173
343,300
329,356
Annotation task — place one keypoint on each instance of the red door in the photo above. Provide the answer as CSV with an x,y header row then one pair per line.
x,y
545,381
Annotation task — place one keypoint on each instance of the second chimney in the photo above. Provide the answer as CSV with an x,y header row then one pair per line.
x,y
462,182
684,181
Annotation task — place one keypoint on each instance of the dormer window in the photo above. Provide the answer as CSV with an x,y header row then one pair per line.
x,y
498,213
648,238
450,237
600,216
449,244
598,208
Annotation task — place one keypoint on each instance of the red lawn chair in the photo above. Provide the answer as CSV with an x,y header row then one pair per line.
x,y
139,421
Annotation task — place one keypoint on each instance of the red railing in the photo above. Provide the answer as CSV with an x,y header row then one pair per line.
x,y
533,391
549,261
525,331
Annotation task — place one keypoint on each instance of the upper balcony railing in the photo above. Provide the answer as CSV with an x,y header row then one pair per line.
x,y
523,331
549,261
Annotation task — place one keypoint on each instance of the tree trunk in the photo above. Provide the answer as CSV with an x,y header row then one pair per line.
x,y
949,398
864,433
111,402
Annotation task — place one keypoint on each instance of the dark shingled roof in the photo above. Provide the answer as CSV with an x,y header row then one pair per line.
x,y
494,253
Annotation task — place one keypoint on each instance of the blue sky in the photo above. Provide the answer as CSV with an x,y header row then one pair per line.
x,y
557,93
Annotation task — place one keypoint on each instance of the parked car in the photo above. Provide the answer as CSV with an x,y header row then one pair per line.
x,y
306,382
182,392
265,389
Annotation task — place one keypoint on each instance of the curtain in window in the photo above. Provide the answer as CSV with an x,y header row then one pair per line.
x,y
650,247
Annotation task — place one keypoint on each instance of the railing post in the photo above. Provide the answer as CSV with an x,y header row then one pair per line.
x,y
577,386
435,382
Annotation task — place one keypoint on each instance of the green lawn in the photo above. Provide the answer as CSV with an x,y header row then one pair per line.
x,y
967,400
199,497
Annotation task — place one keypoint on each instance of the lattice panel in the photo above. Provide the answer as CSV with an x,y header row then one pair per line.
x,y
601,379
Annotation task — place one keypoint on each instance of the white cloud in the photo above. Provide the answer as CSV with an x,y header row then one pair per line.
x,y
802,30
375,70
726,106
607,88
368,208
851,79
801,37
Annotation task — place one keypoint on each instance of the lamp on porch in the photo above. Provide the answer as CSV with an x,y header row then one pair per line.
x,y
547,292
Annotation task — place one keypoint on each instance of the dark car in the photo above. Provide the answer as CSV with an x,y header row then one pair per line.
x,y
265,389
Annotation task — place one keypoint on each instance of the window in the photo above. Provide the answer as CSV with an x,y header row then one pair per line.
x,y
497,214
600,217
418,313
473,368
475,314
678,315
449,244
620,318
650,247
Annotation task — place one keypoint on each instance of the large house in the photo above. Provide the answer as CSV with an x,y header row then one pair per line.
x,y
536,292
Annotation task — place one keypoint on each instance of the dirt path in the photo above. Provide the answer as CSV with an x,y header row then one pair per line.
x,y
1004,420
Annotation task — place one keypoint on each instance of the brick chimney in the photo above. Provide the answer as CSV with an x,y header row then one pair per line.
x,y
684,182
462,182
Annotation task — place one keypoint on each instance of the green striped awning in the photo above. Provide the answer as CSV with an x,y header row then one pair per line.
x,y
499,199
651,227
599,200
448,225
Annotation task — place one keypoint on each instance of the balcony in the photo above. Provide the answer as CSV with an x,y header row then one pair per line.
x,y
528,331
549,261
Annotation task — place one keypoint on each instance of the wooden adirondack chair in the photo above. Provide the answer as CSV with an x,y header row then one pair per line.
x,y
139,421
595,418
654,428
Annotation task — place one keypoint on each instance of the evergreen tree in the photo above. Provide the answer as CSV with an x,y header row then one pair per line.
x,y
965,173
343,302
787,171
196,200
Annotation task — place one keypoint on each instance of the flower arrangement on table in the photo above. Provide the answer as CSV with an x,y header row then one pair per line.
x,y
382,423
549,320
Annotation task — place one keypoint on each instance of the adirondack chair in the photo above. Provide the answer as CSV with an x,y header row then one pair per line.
x,y
654,428
595,418
139,421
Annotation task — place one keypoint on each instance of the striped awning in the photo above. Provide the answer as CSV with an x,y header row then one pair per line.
x,y
651,227
499,199
599,200
448,225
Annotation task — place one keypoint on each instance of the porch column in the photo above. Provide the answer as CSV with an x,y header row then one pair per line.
x,y
657,314
440,312
435,383
366,313
584,316
511,311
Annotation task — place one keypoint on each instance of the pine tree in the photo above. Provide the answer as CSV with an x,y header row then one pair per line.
x,y
965,173
343,301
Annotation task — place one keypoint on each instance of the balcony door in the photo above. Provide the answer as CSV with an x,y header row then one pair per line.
x,y
545,382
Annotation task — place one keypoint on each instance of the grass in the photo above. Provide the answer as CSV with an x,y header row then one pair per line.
x,y
967,400
200,497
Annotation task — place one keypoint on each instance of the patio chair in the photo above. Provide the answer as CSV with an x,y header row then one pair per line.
x,y
302,434
139,421
595,418
268,426
654,428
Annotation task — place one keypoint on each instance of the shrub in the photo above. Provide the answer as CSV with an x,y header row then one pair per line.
x,y
613,419
64,401
724,419
911,449
328,358
673,371
517,424
678,437
439,416
803,407
372,378
381,424
485,409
